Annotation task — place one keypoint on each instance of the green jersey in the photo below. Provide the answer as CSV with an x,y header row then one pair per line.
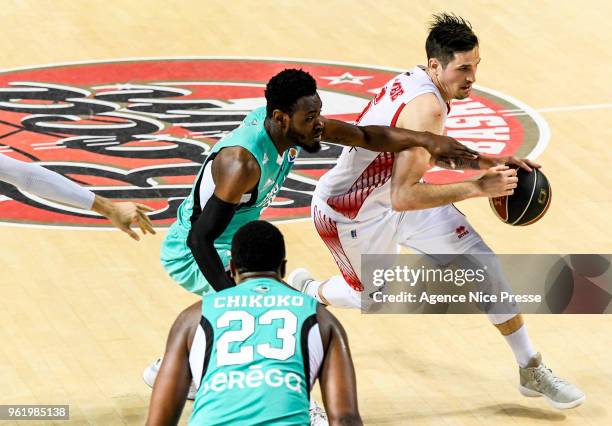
x,y
176,256
255,355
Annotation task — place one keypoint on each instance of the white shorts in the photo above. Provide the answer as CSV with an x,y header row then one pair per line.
x,y
440,230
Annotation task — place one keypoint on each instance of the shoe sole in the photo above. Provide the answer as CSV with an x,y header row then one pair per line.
x,y
530,393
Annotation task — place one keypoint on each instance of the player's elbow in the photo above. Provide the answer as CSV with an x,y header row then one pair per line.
x,y
192,239
404,200
197,239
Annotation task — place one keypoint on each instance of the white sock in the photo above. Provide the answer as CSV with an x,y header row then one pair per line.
x,y
520,343
312,289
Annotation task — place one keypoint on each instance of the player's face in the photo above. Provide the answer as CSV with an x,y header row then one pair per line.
x,y
459,74
305,126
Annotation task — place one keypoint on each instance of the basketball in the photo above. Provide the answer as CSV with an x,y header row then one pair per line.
x,y
529,202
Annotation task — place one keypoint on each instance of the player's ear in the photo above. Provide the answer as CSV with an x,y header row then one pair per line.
x,y
281,118
283,268
434,64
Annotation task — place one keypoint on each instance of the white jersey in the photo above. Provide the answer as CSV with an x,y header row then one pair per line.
x,y
358,187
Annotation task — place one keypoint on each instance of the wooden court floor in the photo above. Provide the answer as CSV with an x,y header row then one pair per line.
x,y
83,312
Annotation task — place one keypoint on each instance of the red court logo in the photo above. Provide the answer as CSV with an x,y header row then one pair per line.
x,y
140,129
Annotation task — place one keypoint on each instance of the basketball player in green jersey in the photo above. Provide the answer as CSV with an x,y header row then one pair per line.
x,y
256,349
246,169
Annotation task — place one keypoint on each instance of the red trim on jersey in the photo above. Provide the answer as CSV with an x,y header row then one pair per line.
x,y
397,113
377,173
328,231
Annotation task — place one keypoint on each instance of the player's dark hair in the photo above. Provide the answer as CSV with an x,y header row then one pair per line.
x,y
285,88
258,246
448,34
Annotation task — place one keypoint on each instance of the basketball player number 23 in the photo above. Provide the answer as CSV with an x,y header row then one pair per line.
x,y
286,333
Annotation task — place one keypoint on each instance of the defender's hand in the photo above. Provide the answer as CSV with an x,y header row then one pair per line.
x,y
447,147
522,163
488,162
124,214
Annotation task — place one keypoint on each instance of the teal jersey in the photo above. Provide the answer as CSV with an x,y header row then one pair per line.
x,y
252,356
176,256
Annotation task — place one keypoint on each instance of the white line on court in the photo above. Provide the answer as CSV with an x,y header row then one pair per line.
x,y
518,111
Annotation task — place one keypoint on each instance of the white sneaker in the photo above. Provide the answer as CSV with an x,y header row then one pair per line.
x,y
150,374
318,417
299,279
538,380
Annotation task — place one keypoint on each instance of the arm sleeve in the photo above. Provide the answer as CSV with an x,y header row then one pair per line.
x,y
44,183
216,215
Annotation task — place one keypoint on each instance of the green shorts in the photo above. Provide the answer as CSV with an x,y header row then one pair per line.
x,y
179,263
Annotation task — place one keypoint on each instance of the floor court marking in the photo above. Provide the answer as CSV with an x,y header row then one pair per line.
x,y
518,111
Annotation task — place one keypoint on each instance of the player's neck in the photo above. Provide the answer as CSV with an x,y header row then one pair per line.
x,y
434,79
245,276
278,139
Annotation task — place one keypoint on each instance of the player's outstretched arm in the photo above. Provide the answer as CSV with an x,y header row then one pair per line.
x,y
337,375
484,162
391,139
174,377
53,186
234,172
408,192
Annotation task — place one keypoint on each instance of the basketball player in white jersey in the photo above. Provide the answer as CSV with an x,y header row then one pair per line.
x,y
375,202
53,186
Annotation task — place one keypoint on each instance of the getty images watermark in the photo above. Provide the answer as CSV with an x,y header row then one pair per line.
x,y
437,276
486,283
